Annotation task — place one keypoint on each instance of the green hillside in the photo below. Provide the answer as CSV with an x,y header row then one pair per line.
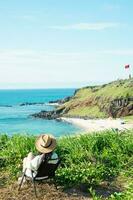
x,y
114,99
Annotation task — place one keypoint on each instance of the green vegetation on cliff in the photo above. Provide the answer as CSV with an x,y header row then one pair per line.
x,y
114,99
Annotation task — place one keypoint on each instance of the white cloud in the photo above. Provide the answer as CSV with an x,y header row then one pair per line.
x,y
32,57
31,66
87,26
43,69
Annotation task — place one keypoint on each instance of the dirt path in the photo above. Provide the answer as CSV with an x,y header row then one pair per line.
x,y
45,191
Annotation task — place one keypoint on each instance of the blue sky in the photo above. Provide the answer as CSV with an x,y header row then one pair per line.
x,y
59,43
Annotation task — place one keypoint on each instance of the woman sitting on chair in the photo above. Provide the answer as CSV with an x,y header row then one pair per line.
x,y
45,144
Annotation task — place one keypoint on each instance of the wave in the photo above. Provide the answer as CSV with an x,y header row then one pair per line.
x,y
7,106
25,104
12,118
32,103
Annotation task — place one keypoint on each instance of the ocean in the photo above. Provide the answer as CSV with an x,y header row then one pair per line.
x,y
15,118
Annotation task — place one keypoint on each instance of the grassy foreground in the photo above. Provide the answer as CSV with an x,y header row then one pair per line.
x,y
88,160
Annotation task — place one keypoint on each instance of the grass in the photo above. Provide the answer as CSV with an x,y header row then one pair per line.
x,y
94,158
120,88
87,159
13,150
117,89
87,111
128,118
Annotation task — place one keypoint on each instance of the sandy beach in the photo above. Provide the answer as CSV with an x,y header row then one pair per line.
x,y
91,125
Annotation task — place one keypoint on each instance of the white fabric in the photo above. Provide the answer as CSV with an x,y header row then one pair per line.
x,y
33,163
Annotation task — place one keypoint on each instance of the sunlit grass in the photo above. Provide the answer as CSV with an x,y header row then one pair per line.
x,y
87,159
93,111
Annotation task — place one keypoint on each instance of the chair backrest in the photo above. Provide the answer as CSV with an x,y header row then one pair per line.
x,y
47,169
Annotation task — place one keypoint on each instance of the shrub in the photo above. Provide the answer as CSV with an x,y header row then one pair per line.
x,y
14,149
93,158
86,159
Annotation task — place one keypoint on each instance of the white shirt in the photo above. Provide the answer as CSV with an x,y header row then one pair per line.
x,y
35,163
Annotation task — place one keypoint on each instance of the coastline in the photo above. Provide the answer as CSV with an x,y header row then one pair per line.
x,y
92,125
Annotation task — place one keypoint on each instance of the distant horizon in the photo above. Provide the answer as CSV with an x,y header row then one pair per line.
x,y
91,83
35,88
80,85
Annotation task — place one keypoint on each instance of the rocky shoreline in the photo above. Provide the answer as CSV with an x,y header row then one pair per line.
x,y
56,102
47,115
54,114
117,108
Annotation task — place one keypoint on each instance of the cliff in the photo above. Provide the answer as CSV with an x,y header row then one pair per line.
x,y
114,99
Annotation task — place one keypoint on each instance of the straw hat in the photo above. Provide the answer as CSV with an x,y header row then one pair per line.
x,y
45,143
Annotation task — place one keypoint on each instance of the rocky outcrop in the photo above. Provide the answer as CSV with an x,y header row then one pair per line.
x,y
49,114
121,107
60,101
30,104
46,115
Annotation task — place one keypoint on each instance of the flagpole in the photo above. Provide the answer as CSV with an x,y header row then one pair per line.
x,y
130,72
128,68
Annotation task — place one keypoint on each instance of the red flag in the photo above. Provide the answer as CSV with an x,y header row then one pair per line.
x,y
126,66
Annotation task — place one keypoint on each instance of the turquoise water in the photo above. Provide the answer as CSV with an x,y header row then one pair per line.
x,y
15,118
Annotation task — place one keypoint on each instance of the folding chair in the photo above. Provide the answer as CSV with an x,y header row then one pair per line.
x,y
45,171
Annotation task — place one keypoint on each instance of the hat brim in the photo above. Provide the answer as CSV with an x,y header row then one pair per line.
x,y
45,150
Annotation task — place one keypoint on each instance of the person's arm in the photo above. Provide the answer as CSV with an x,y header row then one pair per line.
x,y
35,162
